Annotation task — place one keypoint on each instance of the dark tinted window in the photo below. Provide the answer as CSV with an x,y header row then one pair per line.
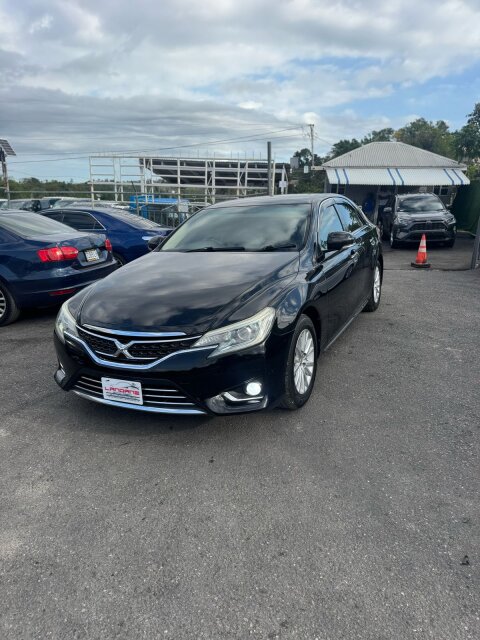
x,y
349,217
414,204
57,215
29,225
266,227
80,220
329,221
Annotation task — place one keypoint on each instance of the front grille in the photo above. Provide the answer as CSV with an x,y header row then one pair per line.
x,y
427,226
157,395
133,349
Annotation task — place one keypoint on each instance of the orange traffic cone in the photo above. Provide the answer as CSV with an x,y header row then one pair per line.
x,y
421,260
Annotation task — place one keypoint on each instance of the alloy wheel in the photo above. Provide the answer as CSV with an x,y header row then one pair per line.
x,y
3,304
377,283
303,362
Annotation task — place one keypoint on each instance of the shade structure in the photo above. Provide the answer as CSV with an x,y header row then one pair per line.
x,y
398,177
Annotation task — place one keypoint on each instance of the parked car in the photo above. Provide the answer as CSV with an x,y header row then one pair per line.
x,y
414,214
26,204
42,262
128,233
229,313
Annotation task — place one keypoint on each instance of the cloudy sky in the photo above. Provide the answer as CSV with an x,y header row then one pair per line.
x,y
223,76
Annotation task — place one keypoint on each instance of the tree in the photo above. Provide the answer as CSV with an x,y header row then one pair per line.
x,y
467,139
427,135
343,146
383,135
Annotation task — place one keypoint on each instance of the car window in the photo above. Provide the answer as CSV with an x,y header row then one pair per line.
x,y
349,217
414,204
329,221
80,220
29,225
265,227
57,215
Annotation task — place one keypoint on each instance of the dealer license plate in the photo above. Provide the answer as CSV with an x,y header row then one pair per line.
x,y
122,391
91,255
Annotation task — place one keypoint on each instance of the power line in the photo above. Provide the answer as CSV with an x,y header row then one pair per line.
x,y
65,157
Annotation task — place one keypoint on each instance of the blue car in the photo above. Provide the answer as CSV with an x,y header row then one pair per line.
x,y
128,233
43,262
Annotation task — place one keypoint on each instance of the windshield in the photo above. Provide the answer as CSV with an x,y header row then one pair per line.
x,y
266,227
29,225
418,204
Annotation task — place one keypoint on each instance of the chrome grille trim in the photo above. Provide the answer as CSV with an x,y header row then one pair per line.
x,y
91,388
129,364
146,334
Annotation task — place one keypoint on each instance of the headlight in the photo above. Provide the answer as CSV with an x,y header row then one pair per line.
x,y
240,335
65,322
402,221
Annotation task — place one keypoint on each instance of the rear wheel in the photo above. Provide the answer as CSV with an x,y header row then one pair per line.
x,y
120,259
301,365
9,310
376,292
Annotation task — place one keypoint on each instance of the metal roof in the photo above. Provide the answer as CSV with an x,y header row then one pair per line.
x,y
393,176
391,154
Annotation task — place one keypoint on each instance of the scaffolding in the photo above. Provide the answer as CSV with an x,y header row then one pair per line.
x,y
199,180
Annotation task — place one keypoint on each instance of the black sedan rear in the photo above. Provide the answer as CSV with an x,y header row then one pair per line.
x,y
42,262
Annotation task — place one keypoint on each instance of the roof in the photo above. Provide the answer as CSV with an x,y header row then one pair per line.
x,y
292,198
391,154
398,176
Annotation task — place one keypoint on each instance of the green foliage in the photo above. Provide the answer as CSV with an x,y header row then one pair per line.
x,y
434,137
343,146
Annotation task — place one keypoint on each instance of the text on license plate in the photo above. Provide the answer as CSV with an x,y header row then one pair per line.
x,y
122,391
91,255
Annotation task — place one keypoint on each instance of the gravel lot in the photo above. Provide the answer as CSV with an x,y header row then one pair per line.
x,y
348,519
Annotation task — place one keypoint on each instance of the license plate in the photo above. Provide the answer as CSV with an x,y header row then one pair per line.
x,y
122,391
91,255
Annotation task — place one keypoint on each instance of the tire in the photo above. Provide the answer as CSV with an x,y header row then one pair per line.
x,y
382,230
9,310
121,261
450,243
394,244
304,338
376,292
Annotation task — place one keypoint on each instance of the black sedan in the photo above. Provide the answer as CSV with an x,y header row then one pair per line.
x,y
229,314
43,262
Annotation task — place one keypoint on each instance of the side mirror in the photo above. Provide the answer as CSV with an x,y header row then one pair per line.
x,y
338,239
155,242
387,209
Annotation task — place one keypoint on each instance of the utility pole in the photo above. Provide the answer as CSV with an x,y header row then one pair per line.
x,y
6,150
269,167
312,135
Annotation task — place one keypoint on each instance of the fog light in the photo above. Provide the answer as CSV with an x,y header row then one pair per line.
x,y
253,389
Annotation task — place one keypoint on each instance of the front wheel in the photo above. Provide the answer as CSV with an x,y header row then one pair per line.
x,y
393,242
376,291
450,243
301,365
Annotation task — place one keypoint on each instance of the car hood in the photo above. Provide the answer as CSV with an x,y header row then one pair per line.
x,y
189,292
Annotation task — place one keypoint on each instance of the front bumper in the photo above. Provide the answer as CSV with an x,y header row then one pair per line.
x,y
187,382
413,233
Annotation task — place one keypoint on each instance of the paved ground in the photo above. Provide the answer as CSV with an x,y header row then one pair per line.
x,y
351,518
457,258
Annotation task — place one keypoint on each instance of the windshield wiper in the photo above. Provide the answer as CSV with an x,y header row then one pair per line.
x,y
216,249
279,247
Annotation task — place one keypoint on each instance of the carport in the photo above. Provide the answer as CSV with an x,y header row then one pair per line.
x,y
379,170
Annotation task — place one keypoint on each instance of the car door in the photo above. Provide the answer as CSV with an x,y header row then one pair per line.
x,y
337,268
361,277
